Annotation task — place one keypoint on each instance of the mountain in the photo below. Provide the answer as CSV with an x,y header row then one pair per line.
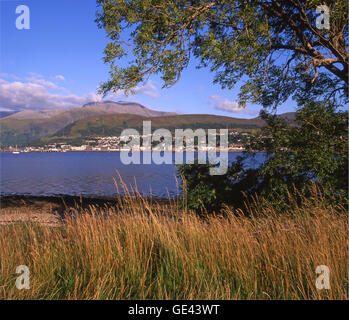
x,y
106,118
25,126
126,107
113,125
4,114
104,107
287,116
33,114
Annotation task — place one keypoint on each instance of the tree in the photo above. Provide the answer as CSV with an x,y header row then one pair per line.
x,y
275,44
313,148
279,51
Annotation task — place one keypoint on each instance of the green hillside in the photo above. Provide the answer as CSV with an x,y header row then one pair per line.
x,y
14,131
27,126
113,125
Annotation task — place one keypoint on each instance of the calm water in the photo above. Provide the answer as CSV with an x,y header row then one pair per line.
x,y
84,173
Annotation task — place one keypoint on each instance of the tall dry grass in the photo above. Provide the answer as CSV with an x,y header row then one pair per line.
x,y
147,250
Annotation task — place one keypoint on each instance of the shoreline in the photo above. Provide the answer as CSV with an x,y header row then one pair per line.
x,y
51,210
7,201
109,151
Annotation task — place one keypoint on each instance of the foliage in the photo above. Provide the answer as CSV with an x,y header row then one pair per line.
x,y
274,46
313,149
278,52
201,191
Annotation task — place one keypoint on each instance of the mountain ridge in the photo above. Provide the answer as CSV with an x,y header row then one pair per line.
x,y
28,125
113,125
17,130
107,106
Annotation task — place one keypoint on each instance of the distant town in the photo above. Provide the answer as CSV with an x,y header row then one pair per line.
x,y
117,144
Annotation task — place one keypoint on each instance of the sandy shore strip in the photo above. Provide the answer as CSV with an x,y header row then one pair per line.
x,y
50,210
44,210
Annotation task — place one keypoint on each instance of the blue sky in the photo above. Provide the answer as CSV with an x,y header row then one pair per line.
x,y
57,63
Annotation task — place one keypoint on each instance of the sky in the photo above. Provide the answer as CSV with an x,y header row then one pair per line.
x,y
57,63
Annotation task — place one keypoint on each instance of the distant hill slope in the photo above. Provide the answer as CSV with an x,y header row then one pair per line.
x,y
33,114
287,116
111,125
126,107
26,126
4,114
105,107
106,118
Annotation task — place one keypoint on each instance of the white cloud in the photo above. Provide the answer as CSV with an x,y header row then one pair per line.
x,y
9,76
223,104
59,77
43,82
36,93
95,97
35,75
35,96
32,78
148,89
